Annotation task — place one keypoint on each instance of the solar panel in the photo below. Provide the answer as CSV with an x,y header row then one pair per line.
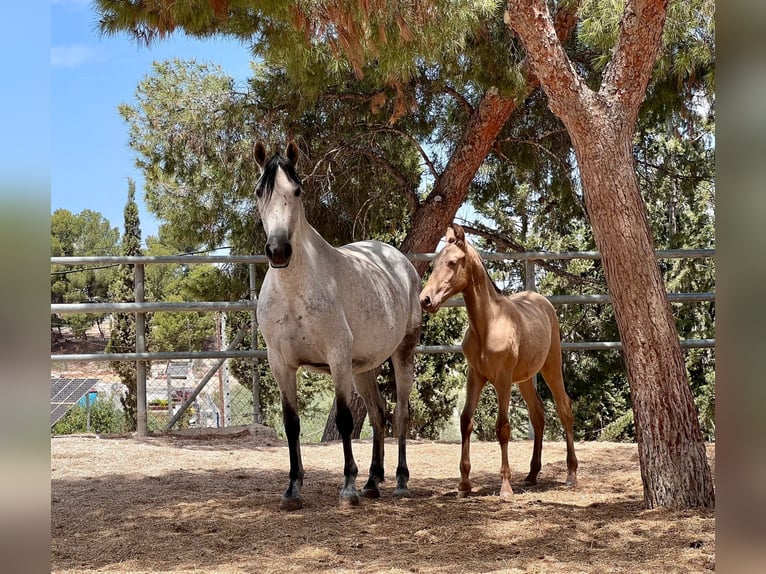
x,y
65,393
177,370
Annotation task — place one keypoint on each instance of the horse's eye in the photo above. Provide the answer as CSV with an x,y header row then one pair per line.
x,y
451,263
298,192
258,192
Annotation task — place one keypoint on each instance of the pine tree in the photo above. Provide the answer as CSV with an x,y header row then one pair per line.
x,y
123,336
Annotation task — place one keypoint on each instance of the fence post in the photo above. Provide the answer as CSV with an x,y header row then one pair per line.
x,y
223,374
256,382
141,428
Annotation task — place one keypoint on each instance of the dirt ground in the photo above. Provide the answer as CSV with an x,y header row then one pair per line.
x,y
181,504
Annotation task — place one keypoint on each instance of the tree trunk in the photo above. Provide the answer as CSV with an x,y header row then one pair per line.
x,y
358,409
672,455
674,466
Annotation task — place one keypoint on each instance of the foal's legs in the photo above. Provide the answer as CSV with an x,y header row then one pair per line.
x,y
503,431
551,371
367,387
474,386
537,418
404,372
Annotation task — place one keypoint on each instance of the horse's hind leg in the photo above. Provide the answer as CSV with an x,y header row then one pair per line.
x,y
537,418
366,386
552,374
404,371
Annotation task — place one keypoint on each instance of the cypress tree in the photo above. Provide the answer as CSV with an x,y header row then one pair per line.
x,y
122,290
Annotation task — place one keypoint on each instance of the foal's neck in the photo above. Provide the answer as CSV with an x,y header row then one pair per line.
x,y
480,294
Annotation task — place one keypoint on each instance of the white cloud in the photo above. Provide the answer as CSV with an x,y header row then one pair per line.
x,y
71,56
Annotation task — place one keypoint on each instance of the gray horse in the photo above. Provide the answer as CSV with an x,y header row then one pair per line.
x,y
340,311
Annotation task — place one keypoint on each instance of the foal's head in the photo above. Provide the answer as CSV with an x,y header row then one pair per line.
x,y
278,196
450,275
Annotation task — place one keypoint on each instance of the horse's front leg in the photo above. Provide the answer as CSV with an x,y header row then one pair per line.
x,y
474,386
344,420
503,432
291,499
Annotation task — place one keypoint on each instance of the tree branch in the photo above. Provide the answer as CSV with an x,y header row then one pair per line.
x,y
638,46
531,20
508,243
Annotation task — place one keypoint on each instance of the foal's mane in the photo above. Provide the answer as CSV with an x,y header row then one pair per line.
x,y
266,182
483,266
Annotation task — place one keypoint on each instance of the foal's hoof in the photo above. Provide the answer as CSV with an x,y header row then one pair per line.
x,y
291,503
530,480
571,480
402,492
463,493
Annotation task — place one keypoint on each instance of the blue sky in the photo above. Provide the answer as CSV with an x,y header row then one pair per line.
x,y
90,76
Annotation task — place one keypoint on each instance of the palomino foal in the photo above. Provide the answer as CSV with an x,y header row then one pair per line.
x,y
509,339
336,311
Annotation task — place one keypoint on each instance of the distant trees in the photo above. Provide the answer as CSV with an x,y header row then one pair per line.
x,y
82,234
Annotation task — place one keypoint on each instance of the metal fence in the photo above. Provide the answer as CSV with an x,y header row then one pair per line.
x,y
164,398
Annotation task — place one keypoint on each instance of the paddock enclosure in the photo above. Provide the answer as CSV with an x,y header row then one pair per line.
x,y
210,504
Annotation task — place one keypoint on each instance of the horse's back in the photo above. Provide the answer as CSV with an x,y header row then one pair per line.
x,y
379,261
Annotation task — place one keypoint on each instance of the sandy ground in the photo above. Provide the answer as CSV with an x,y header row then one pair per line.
x,y
181,504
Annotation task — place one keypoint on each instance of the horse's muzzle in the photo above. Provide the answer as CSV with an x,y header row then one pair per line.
x,y
278,252
428,304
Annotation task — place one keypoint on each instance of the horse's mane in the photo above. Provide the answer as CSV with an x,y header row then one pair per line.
x,y
483,266
265,184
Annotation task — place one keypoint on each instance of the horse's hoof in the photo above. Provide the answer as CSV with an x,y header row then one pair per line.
x,y
530,480
289,504
348,501
370,492
571,481
506,496
402,492
463,493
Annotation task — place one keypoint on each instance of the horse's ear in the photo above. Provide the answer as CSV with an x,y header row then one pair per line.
x,y
292,152
459,234
259,151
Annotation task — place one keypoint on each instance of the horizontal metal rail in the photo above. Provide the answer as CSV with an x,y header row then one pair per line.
x,y
247,305
261,354
493,256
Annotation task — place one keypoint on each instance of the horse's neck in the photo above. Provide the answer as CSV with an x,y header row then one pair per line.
x,y
480,295
310,251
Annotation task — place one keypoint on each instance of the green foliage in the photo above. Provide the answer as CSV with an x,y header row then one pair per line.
x,y
622,429
105,417
438,377
83,234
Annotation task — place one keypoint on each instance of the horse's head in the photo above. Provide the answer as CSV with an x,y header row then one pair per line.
x,y
279,204
450,273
